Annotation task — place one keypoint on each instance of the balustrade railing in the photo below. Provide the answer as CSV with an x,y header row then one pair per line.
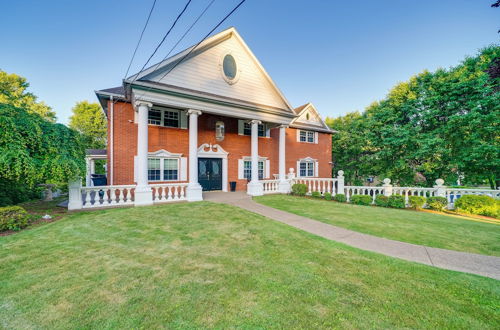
x,y
452,194
169,192
413,191
363,190
105,196
270,186
323,185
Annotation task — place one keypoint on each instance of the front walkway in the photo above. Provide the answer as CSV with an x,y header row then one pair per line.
x,y
460,261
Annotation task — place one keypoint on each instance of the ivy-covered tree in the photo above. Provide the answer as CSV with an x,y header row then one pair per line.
x,y
13,91
89,120
34,150
442,124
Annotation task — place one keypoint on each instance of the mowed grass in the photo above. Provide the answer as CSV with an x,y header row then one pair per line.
x,y
435,230
205,265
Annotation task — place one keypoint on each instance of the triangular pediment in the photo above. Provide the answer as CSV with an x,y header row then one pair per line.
x,y
308,116
202,70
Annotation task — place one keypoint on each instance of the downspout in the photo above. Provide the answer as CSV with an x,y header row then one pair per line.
x,y
111,139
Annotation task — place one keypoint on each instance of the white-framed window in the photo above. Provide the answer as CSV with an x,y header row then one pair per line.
x,y
307,136
164,117
247,169
247,129
307,167
163,169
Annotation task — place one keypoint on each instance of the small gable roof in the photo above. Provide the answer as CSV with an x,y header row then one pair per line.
x,y
309,118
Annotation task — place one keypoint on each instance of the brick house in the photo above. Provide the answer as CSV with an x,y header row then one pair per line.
x,y
210,116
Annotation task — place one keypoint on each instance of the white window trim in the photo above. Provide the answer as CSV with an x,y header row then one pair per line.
x,y
241,167
241,129
309,160
163,154
182,117
315,136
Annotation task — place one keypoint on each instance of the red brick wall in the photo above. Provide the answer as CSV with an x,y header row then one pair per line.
x,y
176,140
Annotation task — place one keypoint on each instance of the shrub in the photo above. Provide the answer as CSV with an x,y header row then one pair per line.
x,y
340,198
381,200
437,203
13,218
361,199
397,202
316,194
416,202
483,205
299,189
327,196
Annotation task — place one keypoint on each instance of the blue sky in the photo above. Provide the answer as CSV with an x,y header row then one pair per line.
x,y
340,55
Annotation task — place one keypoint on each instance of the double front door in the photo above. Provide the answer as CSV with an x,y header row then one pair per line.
x,y
210,173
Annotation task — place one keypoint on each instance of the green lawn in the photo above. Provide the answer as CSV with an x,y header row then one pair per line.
x,y
436,230
208,265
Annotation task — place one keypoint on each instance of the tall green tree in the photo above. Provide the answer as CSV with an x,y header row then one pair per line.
x,y
442,124
13,91
90,121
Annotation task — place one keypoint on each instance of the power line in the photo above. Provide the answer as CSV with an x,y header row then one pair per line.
x,y
164,37
140,38
195,46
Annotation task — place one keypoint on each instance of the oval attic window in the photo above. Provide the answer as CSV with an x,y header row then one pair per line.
x,y
229,67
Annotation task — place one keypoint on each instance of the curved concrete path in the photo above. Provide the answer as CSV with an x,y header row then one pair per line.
x,y
453,260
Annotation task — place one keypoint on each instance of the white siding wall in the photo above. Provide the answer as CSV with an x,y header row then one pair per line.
x,y
203,73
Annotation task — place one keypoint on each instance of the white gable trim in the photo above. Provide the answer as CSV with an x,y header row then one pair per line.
x,y
298,122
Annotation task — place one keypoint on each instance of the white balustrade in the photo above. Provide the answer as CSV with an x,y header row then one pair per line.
x,y
169,192
452,194
414,191
270,186
105,196
363,190
323,185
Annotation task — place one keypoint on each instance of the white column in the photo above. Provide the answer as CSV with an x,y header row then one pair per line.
x,y
143,194
193,190
254,187
88,181
92,170
284,185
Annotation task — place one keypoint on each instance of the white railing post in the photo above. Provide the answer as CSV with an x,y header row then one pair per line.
x,y
440,189
387,187
75,194
340,183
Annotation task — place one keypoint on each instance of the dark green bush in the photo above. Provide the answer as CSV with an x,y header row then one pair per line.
x,y
13,218
381,200
416,202
327,196
361,199
299,189
397,202
316,194
482,205
340,198
437,203
14,192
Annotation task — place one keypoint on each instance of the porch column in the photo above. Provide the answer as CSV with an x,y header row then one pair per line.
x,y
143,194
88,181
193,190
254,187
284,184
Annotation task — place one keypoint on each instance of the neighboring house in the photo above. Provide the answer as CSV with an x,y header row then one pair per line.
x,y
201,116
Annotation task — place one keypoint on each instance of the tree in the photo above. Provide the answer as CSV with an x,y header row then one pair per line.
x,y
442,124
34,150
89,120
13,91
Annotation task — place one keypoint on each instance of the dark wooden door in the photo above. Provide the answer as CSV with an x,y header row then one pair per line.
x,y
210,173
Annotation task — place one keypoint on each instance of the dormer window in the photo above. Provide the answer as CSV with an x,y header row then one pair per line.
x,y
219,131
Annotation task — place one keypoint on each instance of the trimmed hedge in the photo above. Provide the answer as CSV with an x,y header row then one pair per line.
x,y
482,205
397,202
361,199
13,218
437,203
316,194
382,200
416,202
327,196
340,198
299,189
